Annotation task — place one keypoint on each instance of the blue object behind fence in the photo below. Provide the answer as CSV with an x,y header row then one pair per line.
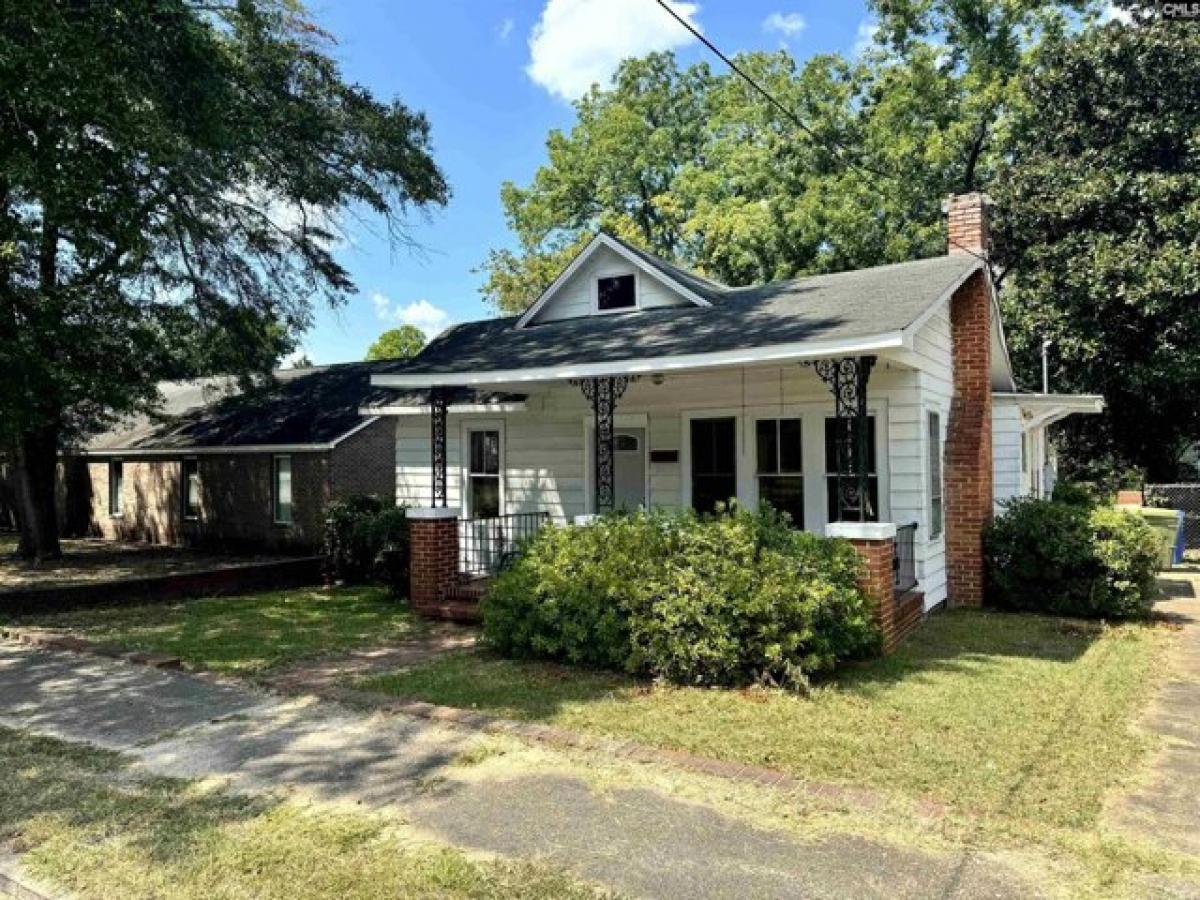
x,y
1180,540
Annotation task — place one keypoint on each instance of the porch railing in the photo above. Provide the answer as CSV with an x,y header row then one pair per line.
x,y
904,563
485,545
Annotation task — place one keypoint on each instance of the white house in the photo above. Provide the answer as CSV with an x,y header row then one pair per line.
x,y
882,395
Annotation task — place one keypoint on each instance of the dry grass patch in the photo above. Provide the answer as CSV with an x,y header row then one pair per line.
x,y
1011,716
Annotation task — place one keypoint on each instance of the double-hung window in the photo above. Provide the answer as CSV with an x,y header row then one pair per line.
x,y
714,462
780,466
283,490
483,474
116,487
190,487
935,475
840,437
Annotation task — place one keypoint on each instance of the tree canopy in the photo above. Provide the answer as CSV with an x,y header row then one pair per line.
x,y
697,167
1101,205
172,177
404,342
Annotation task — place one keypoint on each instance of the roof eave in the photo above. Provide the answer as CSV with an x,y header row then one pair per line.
x,y
778,353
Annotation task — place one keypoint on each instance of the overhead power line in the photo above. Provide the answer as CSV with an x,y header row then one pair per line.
x,y
832,145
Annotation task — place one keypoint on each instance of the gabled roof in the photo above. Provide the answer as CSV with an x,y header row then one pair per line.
x,y
304,409
690,285
860,311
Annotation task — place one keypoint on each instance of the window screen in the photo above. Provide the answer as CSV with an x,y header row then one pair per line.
x,y
780,467
616,292
714,462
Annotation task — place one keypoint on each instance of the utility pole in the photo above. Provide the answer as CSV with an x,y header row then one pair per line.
x,y
1046,345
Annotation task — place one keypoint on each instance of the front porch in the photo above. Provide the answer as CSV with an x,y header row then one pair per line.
x,y
844,440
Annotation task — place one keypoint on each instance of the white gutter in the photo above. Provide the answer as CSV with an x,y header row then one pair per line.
x,y
231,451
795,351
461,408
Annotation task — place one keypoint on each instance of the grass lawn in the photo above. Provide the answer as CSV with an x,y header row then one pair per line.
x,y
89,825
249,634
1003,715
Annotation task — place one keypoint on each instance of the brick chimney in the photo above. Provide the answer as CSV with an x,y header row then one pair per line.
x,y
968,455
967,216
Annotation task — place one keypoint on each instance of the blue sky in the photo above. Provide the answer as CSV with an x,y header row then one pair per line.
x,y
494,77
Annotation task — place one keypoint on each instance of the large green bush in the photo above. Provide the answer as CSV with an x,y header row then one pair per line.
x,y
716,600
1071,558
366,541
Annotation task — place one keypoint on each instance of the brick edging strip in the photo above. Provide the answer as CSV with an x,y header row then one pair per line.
x,y
860,798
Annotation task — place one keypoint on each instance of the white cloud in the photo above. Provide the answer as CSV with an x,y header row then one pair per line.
x,y
505,29
787,24
1112,12
864,37
421,313
576,43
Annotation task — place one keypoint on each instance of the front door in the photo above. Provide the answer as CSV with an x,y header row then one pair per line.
x,y
629,468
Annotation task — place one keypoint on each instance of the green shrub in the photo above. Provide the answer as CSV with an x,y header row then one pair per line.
x,y
366,541
1071,559
715,601
1075,493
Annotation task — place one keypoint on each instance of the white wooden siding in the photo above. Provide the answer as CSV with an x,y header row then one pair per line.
x,y
545,446
574,298
1007,478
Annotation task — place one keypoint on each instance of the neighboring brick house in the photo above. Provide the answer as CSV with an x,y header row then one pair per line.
x,y
252,469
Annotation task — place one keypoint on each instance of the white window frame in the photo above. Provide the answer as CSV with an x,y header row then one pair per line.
x,y
465,463
616,273
183,488
813,414
119,495
804,441
621,422
275,458
940,534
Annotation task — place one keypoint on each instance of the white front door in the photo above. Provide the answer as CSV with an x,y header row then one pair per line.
x,y
629,468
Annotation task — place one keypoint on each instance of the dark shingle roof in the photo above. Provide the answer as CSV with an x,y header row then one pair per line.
x,y
299,407
847,305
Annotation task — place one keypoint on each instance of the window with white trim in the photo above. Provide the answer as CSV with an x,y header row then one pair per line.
x,y
936,513
283,490
779,449
614,292
116,487
714,462
189,477
832,439
483,474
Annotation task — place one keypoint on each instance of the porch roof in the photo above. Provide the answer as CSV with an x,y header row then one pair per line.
x,y
863,311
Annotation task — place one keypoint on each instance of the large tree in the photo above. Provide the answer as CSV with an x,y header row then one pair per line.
x,y
699,167
1101,212
171,178
404,342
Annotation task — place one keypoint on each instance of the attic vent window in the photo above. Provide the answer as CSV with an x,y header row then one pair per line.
x,y
615,292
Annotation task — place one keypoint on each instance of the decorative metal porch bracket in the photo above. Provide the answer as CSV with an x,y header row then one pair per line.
x,y
437,418
847,378
603,394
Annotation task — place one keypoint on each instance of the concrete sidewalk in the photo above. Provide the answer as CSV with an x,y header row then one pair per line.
x,y
638,841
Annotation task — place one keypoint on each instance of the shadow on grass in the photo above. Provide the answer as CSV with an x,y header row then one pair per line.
x,y
54,790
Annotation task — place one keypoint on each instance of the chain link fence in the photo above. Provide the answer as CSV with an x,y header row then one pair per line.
x,y
1179,496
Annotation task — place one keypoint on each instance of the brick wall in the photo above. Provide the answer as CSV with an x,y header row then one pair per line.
x,y
237,503
895,615
433,558
967,225
968,466
365,463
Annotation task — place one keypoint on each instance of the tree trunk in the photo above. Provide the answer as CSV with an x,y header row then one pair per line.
x,y
36,467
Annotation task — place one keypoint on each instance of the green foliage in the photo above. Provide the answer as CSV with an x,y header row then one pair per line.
x,y
1074,493
366,541
697,167
716,600
1099,210
1071,559
404,342
172,176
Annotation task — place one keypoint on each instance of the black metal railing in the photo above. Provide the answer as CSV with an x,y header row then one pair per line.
x,y
486,545
904,562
